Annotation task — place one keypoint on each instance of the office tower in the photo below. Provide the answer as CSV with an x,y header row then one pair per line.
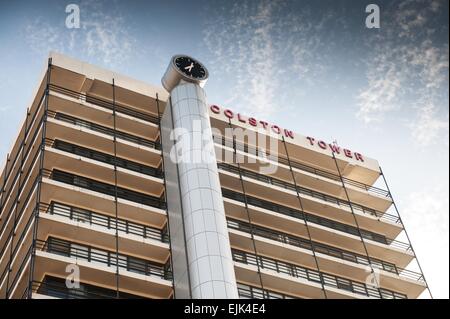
x,y
98,200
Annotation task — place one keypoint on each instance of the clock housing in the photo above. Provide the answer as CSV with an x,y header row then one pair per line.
x,y
184,67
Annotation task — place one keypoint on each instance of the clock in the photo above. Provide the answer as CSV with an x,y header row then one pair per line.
x,y
190,67
183,67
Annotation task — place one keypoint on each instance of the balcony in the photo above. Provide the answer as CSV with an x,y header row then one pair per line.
x,y
300,150
62,220
91,194
331,259
20,211
105,130
105,158
117,106
92,218
104,188
96,83
102,115
322,229
23,149
304,216
269,267
251,292
100,166
137,276
318,203
55,288
110,258
308,176
100,138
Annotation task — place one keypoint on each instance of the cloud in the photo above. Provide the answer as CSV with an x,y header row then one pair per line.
x,y
104,34
428,128
381,94
407,70
262,46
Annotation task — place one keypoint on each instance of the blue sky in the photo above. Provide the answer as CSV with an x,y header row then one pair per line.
x,y
311,66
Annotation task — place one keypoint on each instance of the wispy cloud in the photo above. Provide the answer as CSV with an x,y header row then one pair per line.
x,y
104,34
408,71
429,128
262,46
382,92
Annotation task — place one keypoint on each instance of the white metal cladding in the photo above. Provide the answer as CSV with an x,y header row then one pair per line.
x,y
177,239
208,248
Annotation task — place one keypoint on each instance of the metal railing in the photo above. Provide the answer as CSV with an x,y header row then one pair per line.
x,y
104,188
103,157
109,222
24,201
303,215
251,292
324,249
103,129
56,287
262,153
18,171
13,160
315,219
109,258
314,276
105,104
309,192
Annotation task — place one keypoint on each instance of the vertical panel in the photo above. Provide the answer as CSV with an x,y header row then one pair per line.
x,y
177,238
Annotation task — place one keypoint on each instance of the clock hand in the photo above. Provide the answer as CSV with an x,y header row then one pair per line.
x,y
189,68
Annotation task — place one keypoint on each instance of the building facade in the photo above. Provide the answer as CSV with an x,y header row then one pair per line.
x,y
102,198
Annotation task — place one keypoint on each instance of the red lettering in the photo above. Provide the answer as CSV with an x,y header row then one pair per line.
x,y
311,140
264,124
215,109
241,118
253,122
288,133
335,148
322,145
348,153
359,157
276,129
228,113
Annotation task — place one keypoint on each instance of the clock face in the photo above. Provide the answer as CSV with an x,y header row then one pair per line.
x,y
190,67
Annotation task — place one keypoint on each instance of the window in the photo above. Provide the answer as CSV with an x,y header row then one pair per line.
x,y
344,284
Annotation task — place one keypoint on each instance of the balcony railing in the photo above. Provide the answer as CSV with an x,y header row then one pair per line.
x,y
56,287
10,166
261,153
108,258
105,130
250,292
104,188
324,249
315,219
103,157
93,218
309,192
314,276
105,104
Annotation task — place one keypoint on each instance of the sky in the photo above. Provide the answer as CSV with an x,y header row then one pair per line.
x,y
310,66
